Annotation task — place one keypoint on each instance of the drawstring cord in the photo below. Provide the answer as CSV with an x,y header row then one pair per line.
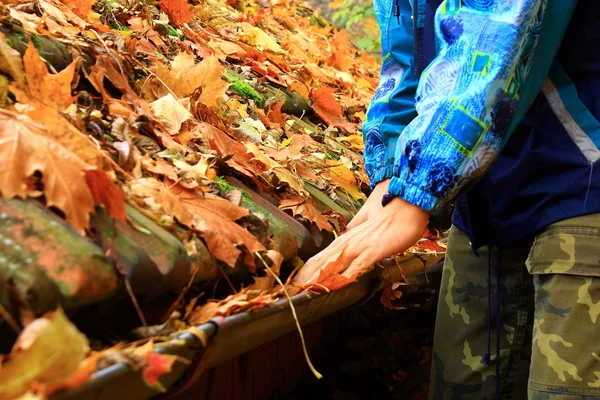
x,y
396,10
487,357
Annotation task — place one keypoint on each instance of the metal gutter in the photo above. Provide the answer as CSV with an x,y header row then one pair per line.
x,y
235,335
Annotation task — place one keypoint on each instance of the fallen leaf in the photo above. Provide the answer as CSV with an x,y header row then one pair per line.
x,y
157,364
330,277
179,11
254,36
276,116
344,179
187,76
341,56
107,193
48,350
44,88
24,150
391,291
11,63
306,209
58,128
329,109
213,218
171,113
83,8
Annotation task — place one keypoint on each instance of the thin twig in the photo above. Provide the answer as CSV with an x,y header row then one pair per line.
x,y
9,319
306,356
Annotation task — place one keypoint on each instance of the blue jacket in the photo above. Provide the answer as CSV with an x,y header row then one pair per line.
x,y
460,78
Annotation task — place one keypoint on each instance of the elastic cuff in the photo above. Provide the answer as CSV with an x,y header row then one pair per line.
x,y
386,171
413,194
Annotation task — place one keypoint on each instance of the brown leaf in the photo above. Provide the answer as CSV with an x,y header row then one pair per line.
x,y
329,109
107,193
214,219
171,113
44,88
179,11
306,208
24,150
58,128
237,156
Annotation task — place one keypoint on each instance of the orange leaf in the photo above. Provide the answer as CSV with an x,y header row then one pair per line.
x,y
331,277
329,109
157,364
391,292
107,193
187,76
179,11
276,116
24,150
341,56
83,8
53,90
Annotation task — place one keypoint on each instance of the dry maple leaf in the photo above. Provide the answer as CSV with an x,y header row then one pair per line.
x,y
277,117
341,56
157,364
186,76
343,178
329,109
58,128
306,209
25,150
179,11
44,88
330,277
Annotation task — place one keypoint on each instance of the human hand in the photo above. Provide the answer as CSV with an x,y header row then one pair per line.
x,y
371,207
391,231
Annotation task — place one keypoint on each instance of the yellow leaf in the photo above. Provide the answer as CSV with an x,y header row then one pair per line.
x,y
48,350
343,178
254,36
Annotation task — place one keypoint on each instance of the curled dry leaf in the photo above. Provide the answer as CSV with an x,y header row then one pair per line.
x,y
171,112
157,364
391,291
213,217
25,150
48,350
300,206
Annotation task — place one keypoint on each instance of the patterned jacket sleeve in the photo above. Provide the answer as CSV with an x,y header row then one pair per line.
x,y
392,107
470,96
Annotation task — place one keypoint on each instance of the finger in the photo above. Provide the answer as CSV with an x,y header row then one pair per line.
x,y
356,221
361,263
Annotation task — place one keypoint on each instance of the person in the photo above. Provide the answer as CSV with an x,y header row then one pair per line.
x,y
492,104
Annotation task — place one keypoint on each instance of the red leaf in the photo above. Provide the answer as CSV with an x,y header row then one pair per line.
x,y
179,11
107,193
276,116
158,364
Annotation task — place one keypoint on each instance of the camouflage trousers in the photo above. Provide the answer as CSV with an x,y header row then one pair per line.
x,y
547,318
